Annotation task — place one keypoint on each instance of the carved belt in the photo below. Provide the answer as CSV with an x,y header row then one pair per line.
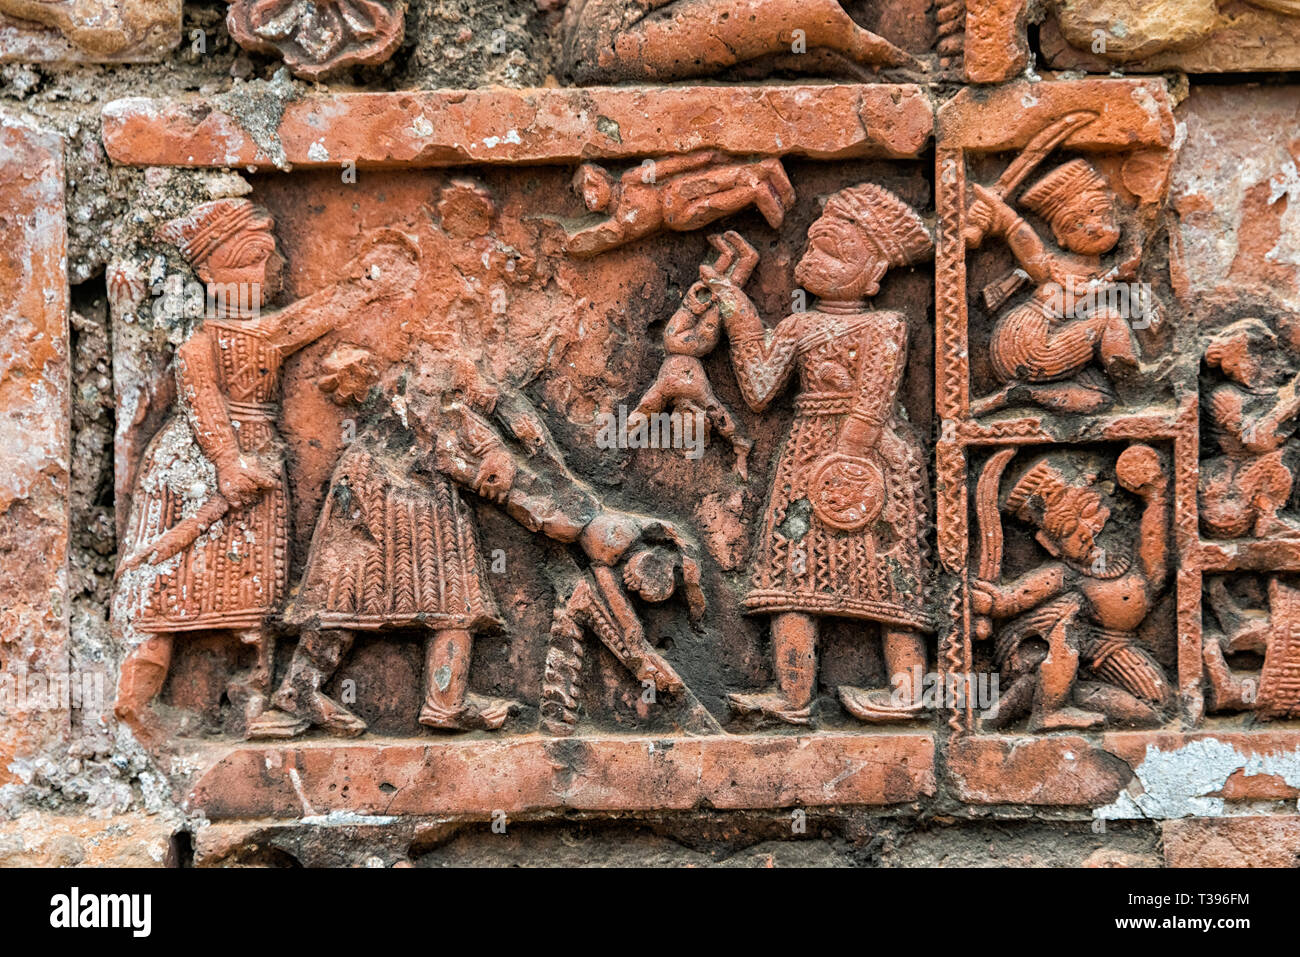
x,y
252,411
824,403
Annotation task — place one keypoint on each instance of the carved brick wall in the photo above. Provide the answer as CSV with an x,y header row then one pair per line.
x,y
846,409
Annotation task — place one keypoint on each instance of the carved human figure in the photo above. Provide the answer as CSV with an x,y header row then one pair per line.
x,y
397,543
844,527
677,193
207,543
613,40
597,600
1084,604
1258,619
693,332
1247,480
1041,350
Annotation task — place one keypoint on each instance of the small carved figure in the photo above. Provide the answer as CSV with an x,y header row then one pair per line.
x,y
692,333
595,600
207,545
844,527
1084,605
1249,418
614,40
1042,349
1253,622
678,193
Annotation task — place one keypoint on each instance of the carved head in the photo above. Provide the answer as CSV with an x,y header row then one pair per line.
x,y
596,187
1240,351
1076,202
231,246
1069,517
651,572
861,233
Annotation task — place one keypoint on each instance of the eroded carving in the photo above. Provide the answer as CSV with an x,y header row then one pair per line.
x,y
207,545
692,333
317,38
1252,649
1250,412
1084,606
613,40
677,193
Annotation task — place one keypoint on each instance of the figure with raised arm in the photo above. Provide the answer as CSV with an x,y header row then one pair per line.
x,y
207,545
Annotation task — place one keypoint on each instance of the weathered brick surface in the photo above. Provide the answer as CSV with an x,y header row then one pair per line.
x,y
34,439
1233,842
374,302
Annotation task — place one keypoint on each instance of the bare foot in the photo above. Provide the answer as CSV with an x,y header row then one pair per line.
x,y
773,705
478,713
876,706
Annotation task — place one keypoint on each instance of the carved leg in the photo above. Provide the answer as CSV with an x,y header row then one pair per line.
x,y
726,426
1226,693
904,653
143,674
448,702
250,690
1056,676
299,703
794,653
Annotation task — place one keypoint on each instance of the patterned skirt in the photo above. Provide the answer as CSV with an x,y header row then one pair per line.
x,y
234,574
803,565
393,549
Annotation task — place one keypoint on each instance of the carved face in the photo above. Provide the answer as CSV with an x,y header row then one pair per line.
x,y
1087,224
1078,540
840,262
249,266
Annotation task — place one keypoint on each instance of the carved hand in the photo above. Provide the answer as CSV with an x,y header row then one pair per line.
x,y
984,597
496,475
243,480
988,214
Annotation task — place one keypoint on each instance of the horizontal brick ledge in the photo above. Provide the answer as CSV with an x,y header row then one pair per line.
x,y
520,127
477,777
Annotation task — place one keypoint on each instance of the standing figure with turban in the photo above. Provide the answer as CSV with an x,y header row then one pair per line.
x,y
207,540
843,533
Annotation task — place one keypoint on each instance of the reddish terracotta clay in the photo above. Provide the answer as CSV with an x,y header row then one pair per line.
x,y
478,778
91,31
34,436
453,550
318,38
614,40
451,128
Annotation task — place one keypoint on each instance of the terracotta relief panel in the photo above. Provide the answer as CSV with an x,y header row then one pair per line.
x,y
628,447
